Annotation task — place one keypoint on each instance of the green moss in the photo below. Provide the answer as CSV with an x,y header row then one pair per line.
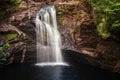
x,y
15,1
3,54
62,21
9,36
61,10
15,4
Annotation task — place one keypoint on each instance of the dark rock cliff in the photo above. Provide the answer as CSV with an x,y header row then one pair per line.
x,y
76,25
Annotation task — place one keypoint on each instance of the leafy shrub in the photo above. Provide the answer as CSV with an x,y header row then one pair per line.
x,y
107,17
3,54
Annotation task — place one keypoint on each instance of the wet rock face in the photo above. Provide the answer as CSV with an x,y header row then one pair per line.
x,y
10,43
72,17
76,23
109,54
78,33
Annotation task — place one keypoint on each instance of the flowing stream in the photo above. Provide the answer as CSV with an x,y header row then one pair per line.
x,y
48,37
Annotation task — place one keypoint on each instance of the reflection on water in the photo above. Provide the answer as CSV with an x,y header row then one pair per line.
x,y
57,73
50,73
73,72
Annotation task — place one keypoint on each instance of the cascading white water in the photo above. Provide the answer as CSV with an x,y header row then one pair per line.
x,y
48,38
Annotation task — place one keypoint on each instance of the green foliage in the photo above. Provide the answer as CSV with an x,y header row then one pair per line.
x,y
9,6
9,36
15,1
101,29
6,45
61,11
15,4
62,21
3,54
108,10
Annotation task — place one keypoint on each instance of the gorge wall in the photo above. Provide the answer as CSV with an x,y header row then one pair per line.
x,y
76,25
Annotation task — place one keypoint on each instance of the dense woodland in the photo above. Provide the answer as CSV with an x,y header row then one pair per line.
x,y
91,27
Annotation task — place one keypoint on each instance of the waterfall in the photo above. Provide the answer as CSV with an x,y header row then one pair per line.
x,y
48,38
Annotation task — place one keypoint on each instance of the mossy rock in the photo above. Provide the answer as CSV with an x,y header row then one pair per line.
x,y
9,36
7,7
